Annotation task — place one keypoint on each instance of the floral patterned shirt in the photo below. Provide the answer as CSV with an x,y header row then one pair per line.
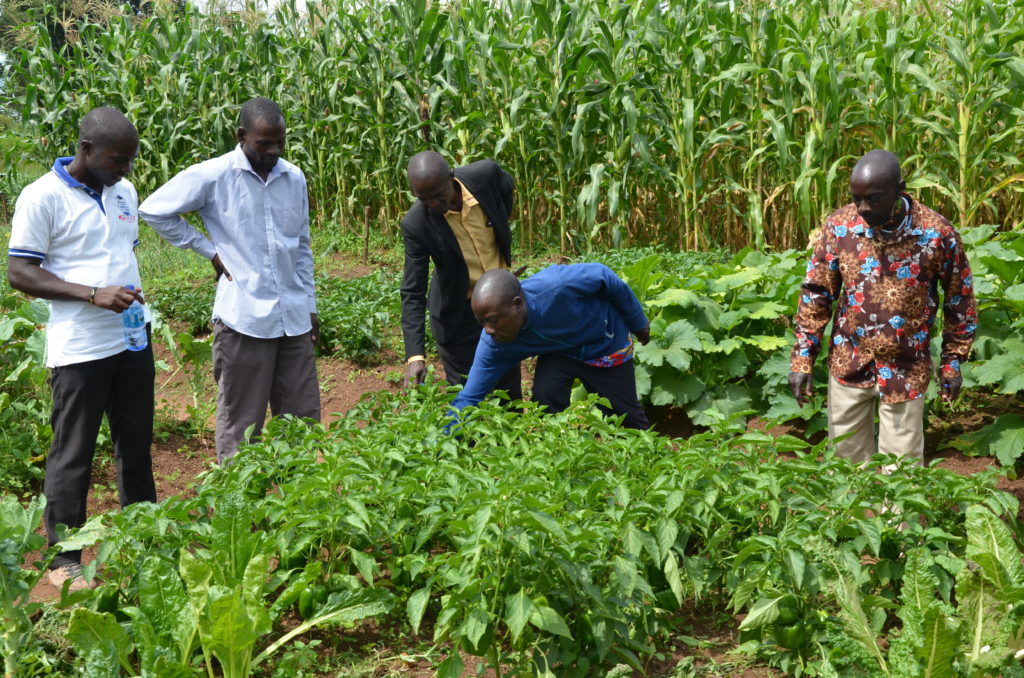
x,y
886,285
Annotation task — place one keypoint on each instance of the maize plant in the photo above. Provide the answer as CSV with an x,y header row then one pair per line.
x,y
694,122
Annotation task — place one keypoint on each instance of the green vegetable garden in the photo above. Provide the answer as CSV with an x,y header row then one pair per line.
x,y
692,146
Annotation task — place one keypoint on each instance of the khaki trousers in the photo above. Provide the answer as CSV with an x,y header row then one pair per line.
x,y
852,410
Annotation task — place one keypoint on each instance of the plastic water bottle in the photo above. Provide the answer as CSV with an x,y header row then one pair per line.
x,y
134,320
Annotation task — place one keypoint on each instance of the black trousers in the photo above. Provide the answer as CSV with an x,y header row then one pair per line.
x,y
457,357
552,386
121,387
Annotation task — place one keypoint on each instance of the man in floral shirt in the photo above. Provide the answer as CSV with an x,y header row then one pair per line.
x,y
882,259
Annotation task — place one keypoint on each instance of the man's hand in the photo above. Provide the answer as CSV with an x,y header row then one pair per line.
x,y
951,383
314,332
644,335
415,373
218,268
802,384
116,298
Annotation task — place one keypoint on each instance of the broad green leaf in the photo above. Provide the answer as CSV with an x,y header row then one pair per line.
x,y
99,661
475,625
252,592
991,545
165,604
548,524
675,583
366,565
738,279
549,621
518,608
1003,439
940,644
675,297
673,347
227,631
668,387
232,539
451,667
88,631
765,342
416,606
982,612
764,612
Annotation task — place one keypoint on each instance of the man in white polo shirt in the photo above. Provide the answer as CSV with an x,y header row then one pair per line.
x,y
72,241
254,206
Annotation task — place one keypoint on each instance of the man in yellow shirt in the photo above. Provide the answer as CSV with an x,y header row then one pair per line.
x,y
460,222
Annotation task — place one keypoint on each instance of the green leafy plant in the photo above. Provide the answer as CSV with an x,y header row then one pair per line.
x,y
18,526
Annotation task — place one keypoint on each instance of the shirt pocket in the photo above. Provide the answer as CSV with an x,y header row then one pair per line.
x,y
290,219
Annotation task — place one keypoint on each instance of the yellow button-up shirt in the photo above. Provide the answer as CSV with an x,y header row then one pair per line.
x,y
476,238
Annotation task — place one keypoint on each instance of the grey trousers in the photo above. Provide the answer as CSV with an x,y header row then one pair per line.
x,y
252,373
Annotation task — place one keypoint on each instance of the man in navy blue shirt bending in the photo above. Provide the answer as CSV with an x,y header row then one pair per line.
x,y
577,319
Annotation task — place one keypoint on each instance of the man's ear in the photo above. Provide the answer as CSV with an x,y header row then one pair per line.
x,y
85,147
240,134
902,186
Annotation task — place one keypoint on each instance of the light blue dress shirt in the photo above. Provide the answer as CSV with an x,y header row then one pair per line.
x,y
261,232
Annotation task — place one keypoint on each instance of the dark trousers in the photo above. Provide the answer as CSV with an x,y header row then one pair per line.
x,y
552,386
121,387
252,373
457,358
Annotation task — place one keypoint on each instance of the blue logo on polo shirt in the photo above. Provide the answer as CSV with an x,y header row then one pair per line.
x,y
124,211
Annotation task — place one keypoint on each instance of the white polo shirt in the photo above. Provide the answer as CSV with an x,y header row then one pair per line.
x,y
82,237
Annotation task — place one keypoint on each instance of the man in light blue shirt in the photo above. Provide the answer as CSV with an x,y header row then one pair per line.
x,y
255,209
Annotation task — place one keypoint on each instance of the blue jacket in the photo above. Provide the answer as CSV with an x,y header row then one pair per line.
x,y
583,311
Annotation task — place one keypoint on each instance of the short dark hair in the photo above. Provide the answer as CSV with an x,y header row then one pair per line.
x,y
105,124
497,284
259,108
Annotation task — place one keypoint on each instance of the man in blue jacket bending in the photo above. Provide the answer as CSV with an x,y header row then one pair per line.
x,y
577,319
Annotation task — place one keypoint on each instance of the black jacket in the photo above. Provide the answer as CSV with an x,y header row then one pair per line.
x,y
429,237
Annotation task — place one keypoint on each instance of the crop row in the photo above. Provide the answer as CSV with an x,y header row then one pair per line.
x,y
695,123
545,545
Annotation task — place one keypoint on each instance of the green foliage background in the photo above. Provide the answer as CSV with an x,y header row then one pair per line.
x,y
689,122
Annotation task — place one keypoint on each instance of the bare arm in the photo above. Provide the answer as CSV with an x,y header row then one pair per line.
x,y
26,275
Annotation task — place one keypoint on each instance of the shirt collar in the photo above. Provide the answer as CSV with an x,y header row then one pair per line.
x,y
468,199
530,311
60,168
241,162
905,227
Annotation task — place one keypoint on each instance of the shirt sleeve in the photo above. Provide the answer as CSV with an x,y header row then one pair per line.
x,y
489,364
30,229
599,280
959,308
163,210
304,263
820,288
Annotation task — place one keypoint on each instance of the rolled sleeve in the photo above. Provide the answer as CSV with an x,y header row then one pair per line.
x,y
163,211
820,287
